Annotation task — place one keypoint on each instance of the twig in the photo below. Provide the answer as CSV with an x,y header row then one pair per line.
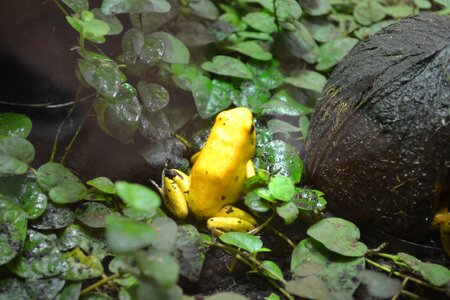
x,y
258,229
99,283
281,235
58,133
61,7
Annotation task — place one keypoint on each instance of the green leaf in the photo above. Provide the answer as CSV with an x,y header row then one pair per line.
x,y
365,32
334,51
14,125
265,194
286,9
252,49
244,241
175,52
46,288
13,288
93,214
283,104
68,192
89,241
54,217
380,285
399,11
279,156
188,252
114,24
272,270
13,230
261,21
288,211
254,201
101,74
138,196
160,266
311,287
423,4
103,184
368,12
227,66
340,274
70,291
303,123
225,296
299,42
252,95
82,267
211,96
435,274
40,257
307,79
204,9
125,235
153,95
316,7
339,236
15,155
272,296
309,199
146,50
166,236
281,187
266,75
322,30
91,29
445,3
77,5
184,76
134,6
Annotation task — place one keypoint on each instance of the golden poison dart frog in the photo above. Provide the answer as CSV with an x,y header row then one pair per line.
x,y
217,175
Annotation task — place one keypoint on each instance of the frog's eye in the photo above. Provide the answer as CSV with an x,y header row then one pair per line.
x,y
252,128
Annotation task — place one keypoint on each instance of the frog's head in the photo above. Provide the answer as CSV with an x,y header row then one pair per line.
x,y
239,123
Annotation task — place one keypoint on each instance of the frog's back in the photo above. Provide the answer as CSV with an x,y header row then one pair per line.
x,y
219,172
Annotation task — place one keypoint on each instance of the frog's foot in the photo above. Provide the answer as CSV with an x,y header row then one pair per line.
x,y
442,221
176,190
230,218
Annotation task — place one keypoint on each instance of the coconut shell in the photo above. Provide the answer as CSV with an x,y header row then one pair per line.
x,y
379,141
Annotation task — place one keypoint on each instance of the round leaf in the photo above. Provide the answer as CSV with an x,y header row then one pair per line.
x,y
103,184
245,241
134,6
316,7
53,174
46,288
299,42
307,79
334,51
189,252
227,66
54,217
175,51
261,21
102,74
14,125
153,95
13,230
138,196
252,49
68,192
281,187
15,155
82,267
160,266
339,236
211,96
368,12
93,214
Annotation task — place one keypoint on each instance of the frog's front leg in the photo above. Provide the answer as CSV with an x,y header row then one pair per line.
x,y
176,190
231,218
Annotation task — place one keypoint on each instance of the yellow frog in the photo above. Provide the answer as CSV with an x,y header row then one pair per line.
x,y
217,175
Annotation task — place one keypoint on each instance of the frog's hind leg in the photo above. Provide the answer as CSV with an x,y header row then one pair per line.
x,y
442,221
176,190
231,218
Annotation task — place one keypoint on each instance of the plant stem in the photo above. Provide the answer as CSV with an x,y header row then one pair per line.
x,y
61,7
183,140
281,235
258,229
99,283
58,133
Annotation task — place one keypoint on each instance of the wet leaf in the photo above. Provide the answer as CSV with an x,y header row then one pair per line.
x,y
40,257
379,285
14,125
288,212
134,6
156,126
188,251
252,49
184,76
316,7
195,34
101,74
139,49
307,79
92,29
77,236
153,95
204,9
96,296
160,266
399,11
309,199
138,196
166,150
15,155
54,217
279,156
125,235
368,12
272,270
93,214
266,74
211,96
333,52
114,24
339,273
261,21
244,241
253,95
281,187
13,230
77,5
321,30
175,51
435,274
311,287
70,291
103,184
299,42
254,201
166,234
227,66
63,185
339,236
283,104
13,288
82,267
45,289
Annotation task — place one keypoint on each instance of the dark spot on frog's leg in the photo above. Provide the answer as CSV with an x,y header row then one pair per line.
x,y
223,198
224,124
236,178
239,222
206,172
229,210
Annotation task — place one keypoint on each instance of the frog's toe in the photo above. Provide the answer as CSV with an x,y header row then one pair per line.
x,y
219,225
229,211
